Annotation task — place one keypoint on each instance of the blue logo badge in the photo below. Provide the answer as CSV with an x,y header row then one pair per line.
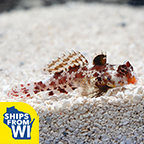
x,y
19,122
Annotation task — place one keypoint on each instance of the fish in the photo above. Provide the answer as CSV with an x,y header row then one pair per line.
x,y
72,71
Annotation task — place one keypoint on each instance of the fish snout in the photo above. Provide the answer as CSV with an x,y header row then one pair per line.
x,y
132,80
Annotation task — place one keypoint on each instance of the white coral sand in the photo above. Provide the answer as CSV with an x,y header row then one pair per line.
x,y
30,39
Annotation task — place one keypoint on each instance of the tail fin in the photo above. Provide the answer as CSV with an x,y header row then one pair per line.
x,y
27,90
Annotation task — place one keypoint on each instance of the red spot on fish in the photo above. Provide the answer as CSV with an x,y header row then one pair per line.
x,y
73,69
51,93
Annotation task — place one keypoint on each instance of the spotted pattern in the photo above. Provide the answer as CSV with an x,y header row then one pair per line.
x,y
71,71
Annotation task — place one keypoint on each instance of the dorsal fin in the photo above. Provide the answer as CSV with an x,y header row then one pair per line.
x,y
100,59
64,62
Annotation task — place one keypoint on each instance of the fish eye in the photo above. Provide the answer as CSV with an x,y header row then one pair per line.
x,y
122,70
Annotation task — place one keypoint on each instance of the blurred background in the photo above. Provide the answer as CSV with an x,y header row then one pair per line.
x,y
7,5
34,32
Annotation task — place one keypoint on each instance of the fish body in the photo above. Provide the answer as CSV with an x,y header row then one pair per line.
x,y
71,71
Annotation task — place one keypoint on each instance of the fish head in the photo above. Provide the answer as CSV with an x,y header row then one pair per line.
x,y
123,74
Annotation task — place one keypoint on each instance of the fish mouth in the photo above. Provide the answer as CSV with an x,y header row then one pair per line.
x,y
132,80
